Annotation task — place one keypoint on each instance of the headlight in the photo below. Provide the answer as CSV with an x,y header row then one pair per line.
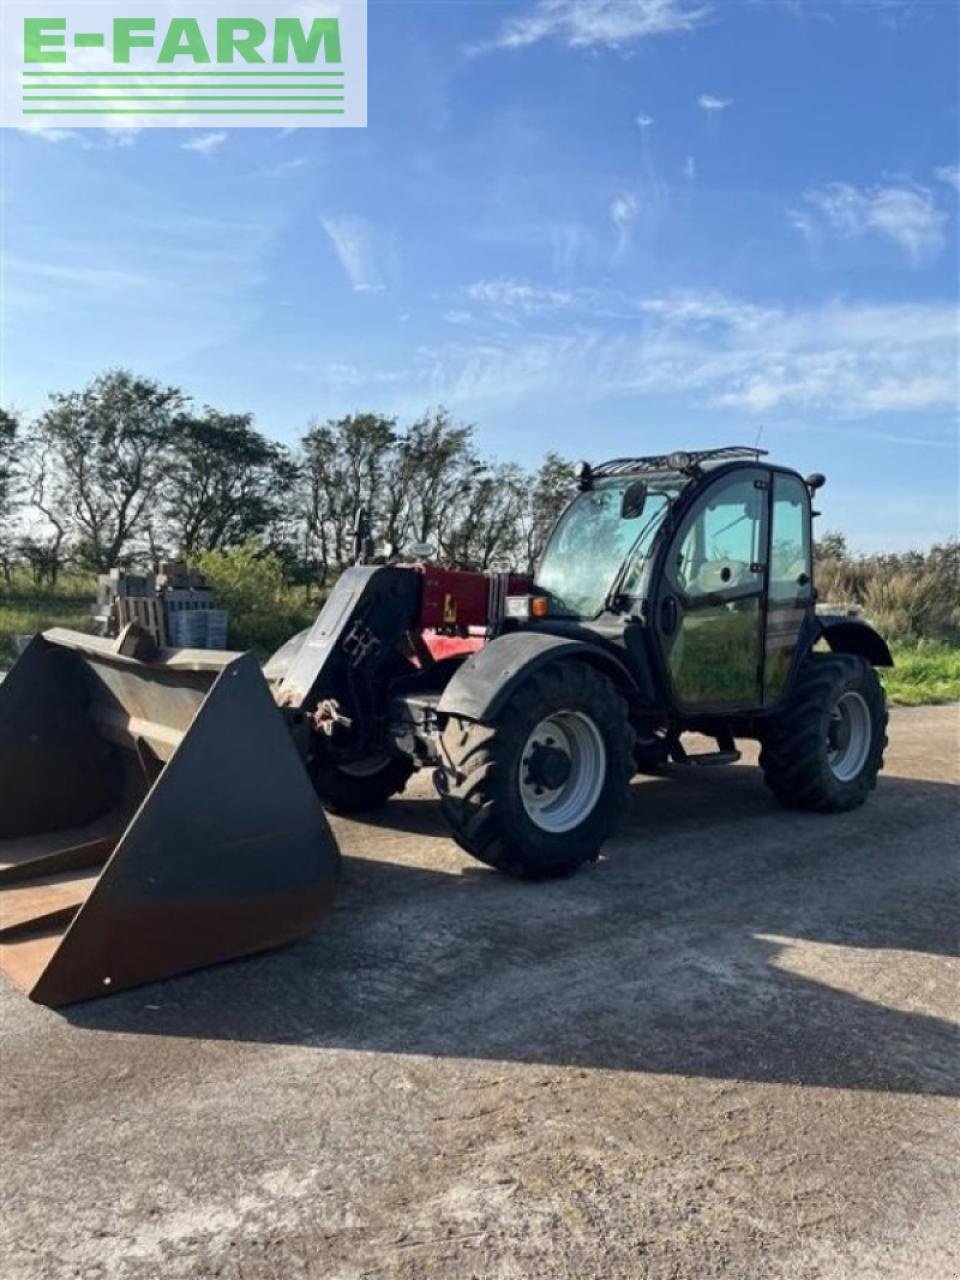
x,y
521,608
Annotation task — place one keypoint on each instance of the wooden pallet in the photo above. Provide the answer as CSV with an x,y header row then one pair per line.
x,y
147,611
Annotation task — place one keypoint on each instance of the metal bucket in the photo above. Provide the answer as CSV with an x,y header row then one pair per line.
x,y
155,817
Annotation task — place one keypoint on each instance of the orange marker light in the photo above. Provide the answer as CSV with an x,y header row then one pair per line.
x,y
539,606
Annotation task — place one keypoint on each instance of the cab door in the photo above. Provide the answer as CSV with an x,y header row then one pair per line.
x,y
710,611
790,588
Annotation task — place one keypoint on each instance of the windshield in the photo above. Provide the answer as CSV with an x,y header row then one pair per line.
x,y
591,542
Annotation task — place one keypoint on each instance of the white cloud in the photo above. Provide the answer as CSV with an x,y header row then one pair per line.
x,y
355,242
838,360
950,174
513,294
102,139
282,169
100,278
623,212
343,376
644,121
614,24
805,224
690,169
685,310
47,133
711,104
122,135
205,143
571,244
892,14
220,262
905,214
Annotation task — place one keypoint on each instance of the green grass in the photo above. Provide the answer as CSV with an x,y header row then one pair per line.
x,y
24,609
264,614
924,674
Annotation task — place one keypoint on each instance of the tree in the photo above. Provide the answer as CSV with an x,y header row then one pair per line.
x,y
225,483
440,473
489,535
344,466
551,489
9,478
832,546
44,546
105,450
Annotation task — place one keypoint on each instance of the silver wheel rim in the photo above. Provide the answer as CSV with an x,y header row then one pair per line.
x,y
848,736
564,807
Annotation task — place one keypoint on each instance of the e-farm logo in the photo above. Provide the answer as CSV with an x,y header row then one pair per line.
x,y
109,63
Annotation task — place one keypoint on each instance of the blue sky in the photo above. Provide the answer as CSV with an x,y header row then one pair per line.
x,y
593,227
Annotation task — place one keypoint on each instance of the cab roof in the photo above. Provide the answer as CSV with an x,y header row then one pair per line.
x,y
681,462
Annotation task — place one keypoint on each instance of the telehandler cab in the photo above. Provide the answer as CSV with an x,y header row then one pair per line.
x,y
675,595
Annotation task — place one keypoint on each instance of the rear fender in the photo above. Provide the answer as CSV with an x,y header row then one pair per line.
x,y
850,635
483,684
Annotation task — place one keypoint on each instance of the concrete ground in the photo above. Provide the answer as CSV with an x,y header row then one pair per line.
x,y
726,1050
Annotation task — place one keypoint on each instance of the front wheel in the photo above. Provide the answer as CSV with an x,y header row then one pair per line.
x,y
536,793
825,750
356,788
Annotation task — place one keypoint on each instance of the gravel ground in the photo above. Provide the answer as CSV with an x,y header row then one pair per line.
x,y
725,1050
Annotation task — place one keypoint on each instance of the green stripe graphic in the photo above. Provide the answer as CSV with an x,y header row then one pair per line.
x,y
187,97
183,73
190,111
115,90
122,98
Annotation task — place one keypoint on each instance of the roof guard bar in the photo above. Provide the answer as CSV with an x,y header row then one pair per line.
x,y
661,462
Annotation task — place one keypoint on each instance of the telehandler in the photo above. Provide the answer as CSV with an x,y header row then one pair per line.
x,y
162,810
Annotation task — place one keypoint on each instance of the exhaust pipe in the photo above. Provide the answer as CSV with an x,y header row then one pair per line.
x,y
155,817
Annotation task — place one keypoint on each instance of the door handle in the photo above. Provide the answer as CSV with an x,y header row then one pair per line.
x,y
669,615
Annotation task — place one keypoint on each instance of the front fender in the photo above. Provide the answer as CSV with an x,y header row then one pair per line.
x,y
484,683
850,635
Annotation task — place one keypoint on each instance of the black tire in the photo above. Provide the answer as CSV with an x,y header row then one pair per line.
x,y
799,745
341,791
480,788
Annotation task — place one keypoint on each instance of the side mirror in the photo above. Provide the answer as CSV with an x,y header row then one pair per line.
x,y
634,500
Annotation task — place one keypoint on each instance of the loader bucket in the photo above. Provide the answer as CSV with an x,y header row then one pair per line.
x,y
154,818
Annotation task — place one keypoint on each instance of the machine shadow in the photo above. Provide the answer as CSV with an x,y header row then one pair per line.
x,y
718,936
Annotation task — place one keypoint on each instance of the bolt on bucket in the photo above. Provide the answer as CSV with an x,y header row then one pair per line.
x,y
155,817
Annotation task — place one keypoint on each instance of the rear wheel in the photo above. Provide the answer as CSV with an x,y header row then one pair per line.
x,y
825,751
365,784
537,792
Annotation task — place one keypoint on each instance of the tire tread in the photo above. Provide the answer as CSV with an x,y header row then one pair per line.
x,y
478,762
792,754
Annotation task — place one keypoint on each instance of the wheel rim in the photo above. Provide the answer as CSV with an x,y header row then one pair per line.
x,y
848,736
558,808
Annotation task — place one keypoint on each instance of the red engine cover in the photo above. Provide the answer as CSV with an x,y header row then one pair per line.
x,y
454,609
453,598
